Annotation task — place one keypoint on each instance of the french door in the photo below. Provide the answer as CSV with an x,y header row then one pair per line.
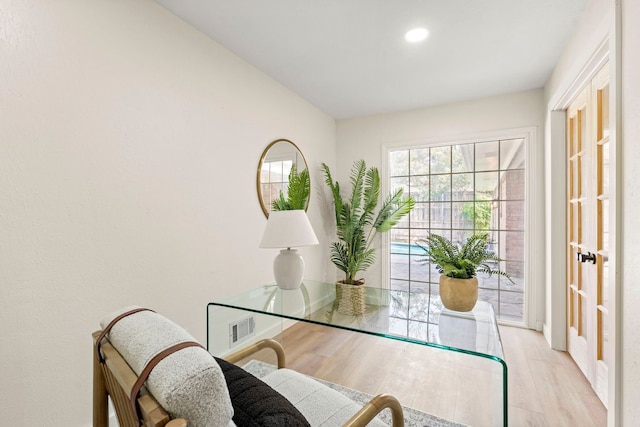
x,y
588,231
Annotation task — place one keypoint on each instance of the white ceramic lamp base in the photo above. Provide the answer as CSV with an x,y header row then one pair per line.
x,y
288,269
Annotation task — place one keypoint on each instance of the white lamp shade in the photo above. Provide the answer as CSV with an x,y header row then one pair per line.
x,y
288,229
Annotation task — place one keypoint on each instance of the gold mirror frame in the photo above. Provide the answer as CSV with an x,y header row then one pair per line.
x,y
280,150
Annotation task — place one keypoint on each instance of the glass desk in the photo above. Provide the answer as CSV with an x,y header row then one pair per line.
x,y
410,317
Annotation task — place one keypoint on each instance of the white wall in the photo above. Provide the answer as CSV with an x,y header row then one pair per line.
x,y
129,144
364,138
630,234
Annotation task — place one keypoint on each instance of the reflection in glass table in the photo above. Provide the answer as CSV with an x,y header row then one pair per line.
x,y
411,317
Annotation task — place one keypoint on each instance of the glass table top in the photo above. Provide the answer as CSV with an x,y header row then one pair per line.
x,y
413,317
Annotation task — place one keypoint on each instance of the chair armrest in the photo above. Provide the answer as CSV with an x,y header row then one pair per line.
x,y
374,407
260,345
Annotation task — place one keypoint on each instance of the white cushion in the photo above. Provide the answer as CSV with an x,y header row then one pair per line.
x,y
322,406
188,383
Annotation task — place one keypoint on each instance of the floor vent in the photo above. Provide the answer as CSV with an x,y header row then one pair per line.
x,y
241,330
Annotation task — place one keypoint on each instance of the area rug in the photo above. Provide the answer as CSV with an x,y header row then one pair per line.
x,y
412,417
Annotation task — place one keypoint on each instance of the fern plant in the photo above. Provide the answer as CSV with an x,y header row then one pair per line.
x,y
461,261
297,193
357,222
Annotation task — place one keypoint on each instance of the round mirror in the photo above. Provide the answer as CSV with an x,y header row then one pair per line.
x,y
273,171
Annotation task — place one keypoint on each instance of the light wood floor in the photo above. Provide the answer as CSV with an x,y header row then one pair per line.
x,y
545,386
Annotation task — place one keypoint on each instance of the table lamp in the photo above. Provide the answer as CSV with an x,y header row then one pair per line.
x,y
288,229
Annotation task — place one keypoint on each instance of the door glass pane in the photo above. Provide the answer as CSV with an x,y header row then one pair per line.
x,y
582,128
579,267
462,215
604,292
572,137
440,187
604,339
419,161
582,318
605,223
511,305
605,168
578,222
399,182
512,187
419,188
440,160
446,233
419,271
572,180
579,177
516,271
511,245
419,216
462,186
415,235
512,215
488,282
463,158
487,156
484,215
603,98
571,222
398,163
574,302
440,215
512,154
487,184
399,266
572,266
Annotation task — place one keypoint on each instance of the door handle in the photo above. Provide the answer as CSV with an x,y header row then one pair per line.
x,y
588,257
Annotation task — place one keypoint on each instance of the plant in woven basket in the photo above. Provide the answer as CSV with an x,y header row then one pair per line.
x,y
298,192
358,219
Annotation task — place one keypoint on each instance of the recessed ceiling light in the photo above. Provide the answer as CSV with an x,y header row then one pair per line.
x,y
416,35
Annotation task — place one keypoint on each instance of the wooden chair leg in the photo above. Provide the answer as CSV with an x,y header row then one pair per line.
x,y
100,398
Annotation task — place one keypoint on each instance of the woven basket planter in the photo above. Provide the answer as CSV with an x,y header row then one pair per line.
x,y
350,298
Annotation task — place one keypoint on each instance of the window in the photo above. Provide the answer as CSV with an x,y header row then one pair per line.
x,y
461,189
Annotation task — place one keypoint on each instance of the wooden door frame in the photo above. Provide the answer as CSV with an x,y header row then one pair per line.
x,y
556,159
556,298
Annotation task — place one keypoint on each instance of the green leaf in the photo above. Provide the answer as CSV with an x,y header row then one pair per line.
x,y
356,227
298,192
464,261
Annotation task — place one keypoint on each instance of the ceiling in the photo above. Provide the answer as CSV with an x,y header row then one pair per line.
x,y
349,57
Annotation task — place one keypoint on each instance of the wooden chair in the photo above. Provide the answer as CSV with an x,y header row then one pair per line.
x,y
114,378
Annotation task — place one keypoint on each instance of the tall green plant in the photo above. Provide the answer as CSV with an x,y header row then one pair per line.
x,y
298,192
461,261
357,222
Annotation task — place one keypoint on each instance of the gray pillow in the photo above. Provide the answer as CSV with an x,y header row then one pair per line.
x,y
188,383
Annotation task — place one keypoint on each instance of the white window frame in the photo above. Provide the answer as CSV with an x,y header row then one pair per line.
x,y
533,310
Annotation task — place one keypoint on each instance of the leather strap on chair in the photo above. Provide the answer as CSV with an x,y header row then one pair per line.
x,y
152,364
110,325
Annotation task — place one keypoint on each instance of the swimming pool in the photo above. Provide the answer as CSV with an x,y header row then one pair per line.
x,y
406,249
